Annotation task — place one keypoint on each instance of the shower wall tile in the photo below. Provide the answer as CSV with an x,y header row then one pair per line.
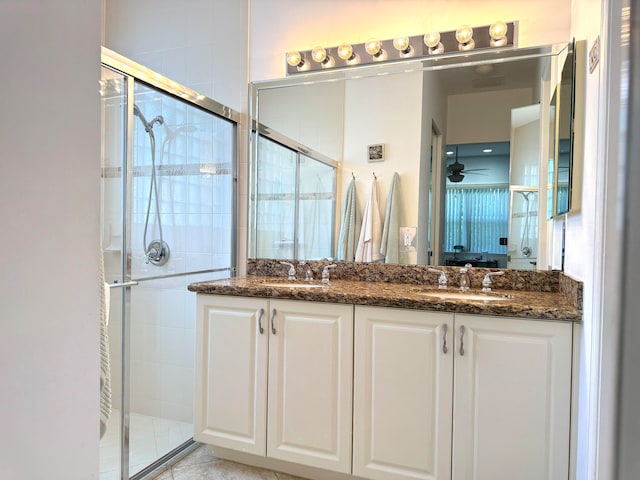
x,y
174,63
199,71
172,304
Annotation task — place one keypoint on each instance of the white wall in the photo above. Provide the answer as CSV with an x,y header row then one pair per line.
x,y
287,111
278,26
485,116
393,119
594,236
49,206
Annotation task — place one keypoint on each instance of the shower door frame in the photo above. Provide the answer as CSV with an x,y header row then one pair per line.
x,y
134,72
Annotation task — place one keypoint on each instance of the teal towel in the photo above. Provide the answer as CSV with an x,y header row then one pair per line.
x,y
389,246
350,225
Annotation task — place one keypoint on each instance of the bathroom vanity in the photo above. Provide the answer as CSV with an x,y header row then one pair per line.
x,y
382,380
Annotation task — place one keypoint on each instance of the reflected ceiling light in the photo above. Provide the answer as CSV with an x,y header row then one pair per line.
x,y
487,150
403,45
449,152
498,33
374,47
432,40
345,52
464,36
295,59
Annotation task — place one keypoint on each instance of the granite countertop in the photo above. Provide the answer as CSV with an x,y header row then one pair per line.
x,y
528,304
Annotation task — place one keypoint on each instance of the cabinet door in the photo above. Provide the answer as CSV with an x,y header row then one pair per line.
x,y
310,384
402,394
231,372
511,399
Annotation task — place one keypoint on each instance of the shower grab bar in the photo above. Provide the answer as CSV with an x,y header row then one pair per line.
x,y
122,285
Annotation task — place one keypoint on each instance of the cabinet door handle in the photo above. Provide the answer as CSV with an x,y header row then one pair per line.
x,y
273,321
260,315
444,338
462,330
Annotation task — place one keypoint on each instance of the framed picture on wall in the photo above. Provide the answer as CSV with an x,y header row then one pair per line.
x,y
376,152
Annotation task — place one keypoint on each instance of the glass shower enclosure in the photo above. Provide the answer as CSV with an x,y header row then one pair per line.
x,y
168,219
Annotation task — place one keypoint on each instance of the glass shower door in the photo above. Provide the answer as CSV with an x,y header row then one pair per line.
x,y
168,219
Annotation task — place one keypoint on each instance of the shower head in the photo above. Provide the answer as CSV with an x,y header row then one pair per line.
x,y
174,132
148,126
525,195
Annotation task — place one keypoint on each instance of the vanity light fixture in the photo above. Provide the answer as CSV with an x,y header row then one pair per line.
x,y
498,33
432,41
464,36
403,45
427,46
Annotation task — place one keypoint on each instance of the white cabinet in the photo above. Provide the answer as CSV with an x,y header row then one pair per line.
x,y
512,400
412,394
402,394
303,358
231,373
510,380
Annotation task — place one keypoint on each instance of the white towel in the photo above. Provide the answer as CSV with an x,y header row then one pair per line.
x,y
370,235
105,368
350,225
389,246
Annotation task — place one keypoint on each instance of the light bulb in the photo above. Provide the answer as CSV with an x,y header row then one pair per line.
x,y
373,47
345,52
470,45
432,39
295,59
319,54
402,45
464,34
498,30
501,42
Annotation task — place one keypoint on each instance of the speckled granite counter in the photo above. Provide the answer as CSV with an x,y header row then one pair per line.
x,y
520,303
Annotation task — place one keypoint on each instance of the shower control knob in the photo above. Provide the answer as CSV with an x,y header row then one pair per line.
x,y
157,253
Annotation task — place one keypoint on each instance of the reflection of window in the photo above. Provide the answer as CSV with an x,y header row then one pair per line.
x,y
295,204
477,217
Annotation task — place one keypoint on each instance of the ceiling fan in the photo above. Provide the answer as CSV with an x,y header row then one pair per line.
x,y
456,169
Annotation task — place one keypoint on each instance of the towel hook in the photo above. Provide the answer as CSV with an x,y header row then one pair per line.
x,y
353,175
374,176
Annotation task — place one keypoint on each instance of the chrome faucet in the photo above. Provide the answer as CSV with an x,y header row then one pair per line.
x,y
308,273
465,283
325,273
486,282
292,270
442,279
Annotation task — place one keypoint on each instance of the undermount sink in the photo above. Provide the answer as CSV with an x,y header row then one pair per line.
x,y
446,295
292,285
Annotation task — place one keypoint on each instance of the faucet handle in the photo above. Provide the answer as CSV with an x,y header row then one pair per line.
x,y
442,279
325,273
292,270
486,282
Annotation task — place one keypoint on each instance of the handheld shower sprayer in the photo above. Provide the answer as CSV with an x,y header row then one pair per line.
x,y
156,251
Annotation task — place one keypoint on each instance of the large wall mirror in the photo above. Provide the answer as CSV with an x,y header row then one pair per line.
x,y
467,135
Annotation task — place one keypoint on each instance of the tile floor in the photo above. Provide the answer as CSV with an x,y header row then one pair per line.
x,y
149,437
202,465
